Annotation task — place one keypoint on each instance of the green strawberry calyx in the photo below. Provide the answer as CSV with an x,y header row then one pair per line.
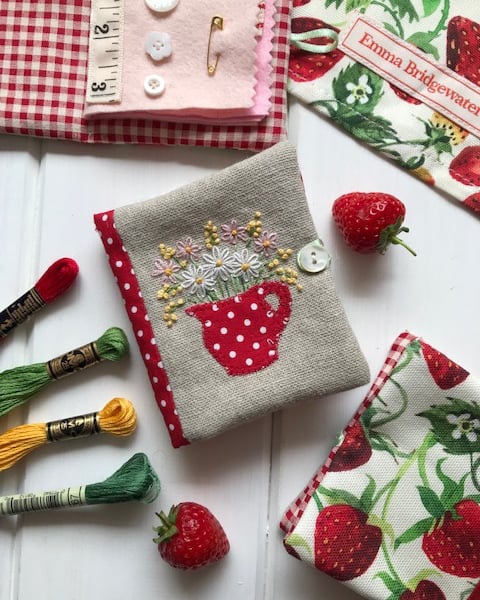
x,y
389,235
167,529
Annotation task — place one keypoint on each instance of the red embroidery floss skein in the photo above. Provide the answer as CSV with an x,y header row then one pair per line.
x,y
53,283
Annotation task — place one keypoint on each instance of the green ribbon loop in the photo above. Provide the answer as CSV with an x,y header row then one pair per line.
x,y
298,40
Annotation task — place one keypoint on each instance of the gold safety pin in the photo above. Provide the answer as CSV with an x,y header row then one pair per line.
x,y
216,23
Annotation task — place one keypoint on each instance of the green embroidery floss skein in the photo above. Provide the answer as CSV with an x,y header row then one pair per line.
x,y
21,383
135,480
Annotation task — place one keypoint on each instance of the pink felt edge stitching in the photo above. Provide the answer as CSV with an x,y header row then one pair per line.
x,y
131,293
295,510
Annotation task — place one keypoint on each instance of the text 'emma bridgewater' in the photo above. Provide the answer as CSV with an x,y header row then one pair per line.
x,y
428,78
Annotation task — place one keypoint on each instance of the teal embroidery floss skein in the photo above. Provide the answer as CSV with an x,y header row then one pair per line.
x,y
21,383
135,480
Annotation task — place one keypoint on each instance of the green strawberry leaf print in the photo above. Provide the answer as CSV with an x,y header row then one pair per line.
x,y
414,532
430,6
391,583
431,501
456,426
422,40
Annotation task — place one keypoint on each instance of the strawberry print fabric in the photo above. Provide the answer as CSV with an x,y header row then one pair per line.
x,y
229,326
394,513
388,119
43,68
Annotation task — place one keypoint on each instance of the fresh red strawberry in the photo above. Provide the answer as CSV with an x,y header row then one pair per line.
x,y
403,95
454,545
444,371
307,66
425,590
354,451
345,544
190,536
370,221
465,167
463,42
473,202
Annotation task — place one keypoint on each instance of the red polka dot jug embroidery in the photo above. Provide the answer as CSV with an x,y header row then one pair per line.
x,y
242,332
237,283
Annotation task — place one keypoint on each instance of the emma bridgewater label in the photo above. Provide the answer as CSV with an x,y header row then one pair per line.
x,y
413,71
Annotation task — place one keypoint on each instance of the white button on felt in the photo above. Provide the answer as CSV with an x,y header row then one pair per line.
x,y
161,5
313,258
158,45
154,85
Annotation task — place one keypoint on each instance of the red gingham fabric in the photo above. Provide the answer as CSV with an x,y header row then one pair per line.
x,y
43,71
296,509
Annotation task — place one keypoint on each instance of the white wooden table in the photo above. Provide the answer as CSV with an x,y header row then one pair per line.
x,y
49,191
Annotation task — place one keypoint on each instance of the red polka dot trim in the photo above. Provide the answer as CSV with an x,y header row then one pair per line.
x,y
137,313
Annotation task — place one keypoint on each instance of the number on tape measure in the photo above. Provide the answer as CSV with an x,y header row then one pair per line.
x,y
104,80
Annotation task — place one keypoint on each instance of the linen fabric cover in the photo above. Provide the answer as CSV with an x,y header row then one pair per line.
x,y
394,511
232,329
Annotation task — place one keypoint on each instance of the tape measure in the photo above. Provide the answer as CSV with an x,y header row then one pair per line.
x,y
105,55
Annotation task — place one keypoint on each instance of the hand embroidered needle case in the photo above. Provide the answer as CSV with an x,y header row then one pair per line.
x,y
404,80
394,513
231,297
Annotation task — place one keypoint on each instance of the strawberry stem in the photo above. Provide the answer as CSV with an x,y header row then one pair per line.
x,y
397,241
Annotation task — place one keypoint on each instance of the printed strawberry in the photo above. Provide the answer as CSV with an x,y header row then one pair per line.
x,y
345,544
463,41
473,202
475,595
425,590
370,221
465,167
454,545
444,371
403,95
307,66
190,536
453,131
354,451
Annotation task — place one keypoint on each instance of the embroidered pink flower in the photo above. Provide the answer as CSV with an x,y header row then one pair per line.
x,y
266,243
165,269
232,232
188,250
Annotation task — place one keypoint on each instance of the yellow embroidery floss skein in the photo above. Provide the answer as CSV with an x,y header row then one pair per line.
x,y
21,383
118,417
136,480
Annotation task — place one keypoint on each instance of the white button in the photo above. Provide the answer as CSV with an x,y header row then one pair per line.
x,y
158,45
313,258
161,5
154,85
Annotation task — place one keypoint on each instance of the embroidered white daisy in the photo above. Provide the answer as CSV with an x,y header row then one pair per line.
x,y
197,281
219,263
246,265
